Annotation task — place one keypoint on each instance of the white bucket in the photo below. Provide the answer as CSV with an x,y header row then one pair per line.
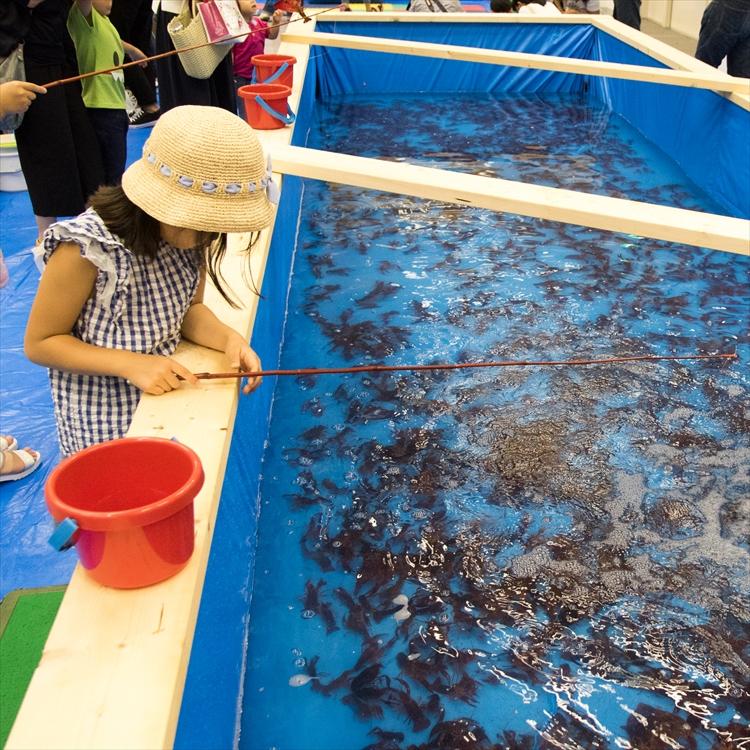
x,y
11,176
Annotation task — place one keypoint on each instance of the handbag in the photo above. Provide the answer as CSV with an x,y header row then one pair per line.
x,y
223,21
186,30
12,69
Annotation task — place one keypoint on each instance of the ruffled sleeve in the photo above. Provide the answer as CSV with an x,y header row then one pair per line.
x,y
100,247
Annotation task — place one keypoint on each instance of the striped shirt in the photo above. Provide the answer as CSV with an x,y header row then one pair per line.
x,y
138,304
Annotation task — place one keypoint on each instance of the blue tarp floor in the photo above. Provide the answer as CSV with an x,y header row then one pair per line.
x,y
26,560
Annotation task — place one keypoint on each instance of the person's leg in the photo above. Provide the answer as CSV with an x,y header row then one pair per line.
x,y
628,12
137,81
738,59
58,173
713,41
738,63
111,127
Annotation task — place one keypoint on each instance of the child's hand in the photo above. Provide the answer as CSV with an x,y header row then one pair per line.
x,y
16,96
155,374
242,357
277,17
135,54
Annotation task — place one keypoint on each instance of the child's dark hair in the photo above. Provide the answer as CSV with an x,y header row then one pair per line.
x,y
502,6
141,233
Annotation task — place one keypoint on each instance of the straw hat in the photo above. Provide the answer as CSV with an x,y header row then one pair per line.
x,y
203,168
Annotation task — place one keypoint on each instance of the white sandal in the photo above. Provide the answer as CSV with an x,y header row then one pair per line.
x,y
8,445
30,463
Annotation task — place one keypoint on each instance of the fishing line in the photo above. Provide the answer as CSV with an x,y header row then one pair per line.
x,y
303,17
462,365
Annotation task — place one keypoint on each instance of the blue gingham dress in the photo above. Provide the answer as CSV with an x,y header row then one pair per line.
x,y
138,304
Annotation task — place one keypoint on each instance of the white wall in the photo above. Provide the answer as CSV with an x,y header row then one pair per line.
x,y
684,16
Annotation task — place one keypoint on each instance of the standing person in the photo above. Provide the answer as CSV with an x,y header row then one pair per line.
x,y
54,139
242,53
725,32
628,12
99,47
133,20
537,8
176,87
15,97
581,6
124,282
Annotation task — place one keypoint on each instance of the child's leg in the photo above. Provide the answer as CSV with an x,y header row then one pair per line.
x,y
111,127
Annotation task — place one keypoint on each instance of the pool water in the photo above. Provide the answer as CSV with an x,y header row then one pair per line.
x,y
516,558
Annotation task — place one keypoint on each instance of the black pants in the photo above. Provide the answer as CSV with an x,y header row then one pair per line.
x,y
725,32
54,145
134,20
111,128
629,12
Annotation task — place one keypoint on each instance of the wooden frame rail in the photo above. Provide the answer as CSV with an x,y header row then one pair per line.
x,y
714,81
553,204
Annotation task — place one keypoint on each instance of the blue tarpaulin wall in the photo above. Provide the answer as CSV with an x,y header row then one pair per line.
x,y
702,131
666,115
344,72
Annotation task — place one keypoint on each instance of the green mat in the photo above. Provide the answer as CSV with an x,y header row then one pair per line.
x,y
26,616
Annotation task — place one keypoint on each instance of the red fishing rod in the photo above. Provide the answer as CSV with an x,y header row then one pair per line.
x,y
462,365
303,17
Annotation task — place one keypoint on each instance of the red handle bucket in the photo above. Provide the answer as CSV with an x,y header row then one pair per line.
x,y
131,501
274,69
266,106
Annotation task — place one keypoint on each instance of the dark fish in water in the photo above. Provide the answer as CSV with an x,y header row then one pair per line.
x,y
385,266
366,693
377,294
318,263
312,545
458,156
386,740
357,619
459,733
373,649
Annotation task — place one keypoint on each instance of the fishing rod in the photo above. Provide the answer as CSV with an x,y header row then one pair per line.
x,y
460,366
303,17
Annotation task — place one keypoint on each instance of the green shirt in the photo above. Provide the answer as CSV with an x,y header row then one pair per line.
x,y
98,47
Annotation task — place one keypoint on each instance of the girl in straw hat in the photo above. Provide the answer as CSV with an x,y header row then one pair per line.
x,y
124,281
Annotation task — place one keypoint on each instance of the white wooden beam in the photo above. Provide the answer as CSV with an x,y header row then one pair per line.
x,y
553,204
662,52
710,80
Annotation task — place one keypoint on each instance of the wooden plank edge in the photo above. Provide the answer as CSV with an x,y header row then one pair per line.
x,y
661,51
397,16
113,669
552,204
714,81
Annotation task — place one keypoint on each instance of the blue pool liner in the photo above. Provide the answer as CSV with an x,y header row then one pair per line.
x,y
213,691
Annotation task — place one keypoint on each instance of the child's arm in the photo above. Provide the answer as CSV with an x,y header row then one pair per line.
x,y
275,19
85,7
133,52
66,284
201,326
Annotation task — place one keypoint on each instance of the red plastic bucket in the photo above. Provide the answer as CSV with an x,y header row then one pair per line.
x,y
274,69
266,106
127,505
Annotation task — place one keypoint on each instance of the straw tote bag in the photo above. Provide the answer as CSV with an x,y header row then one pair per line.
x,y
187,30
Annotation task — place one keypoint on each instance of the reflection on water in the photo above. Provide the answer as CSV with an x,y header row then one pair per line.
x,y
530,558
